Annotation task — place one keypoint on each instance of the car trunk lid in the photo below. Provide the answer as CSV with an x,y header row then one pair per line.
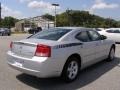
x,y
24,49
27,47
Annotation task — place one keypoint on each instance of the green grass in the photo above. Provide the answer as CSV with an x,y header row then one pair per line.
x,y
19,33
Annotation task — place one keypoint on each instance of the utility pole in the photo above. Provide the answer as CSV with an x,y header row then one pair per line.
x,y
69,16
109,22
0,11
69,13
55,5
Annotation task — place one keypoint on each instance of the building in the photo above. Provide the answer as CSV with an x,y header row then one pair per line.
x,y
27,23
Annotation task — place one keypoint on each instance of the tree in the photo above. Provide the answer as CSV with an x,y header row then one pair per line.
x,y
8,22
48,16
84,19
62,20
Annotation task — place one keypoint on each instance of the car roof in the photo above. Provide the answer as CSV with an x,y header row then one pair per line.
x,y
70,27
113,29
75,28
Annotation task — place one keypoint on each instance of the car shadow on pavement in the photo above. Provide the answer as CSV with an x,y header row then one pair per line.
x,y
86,77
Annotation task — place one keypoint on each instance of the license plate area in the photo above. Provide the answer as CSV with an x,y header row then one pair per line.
x,y
18,64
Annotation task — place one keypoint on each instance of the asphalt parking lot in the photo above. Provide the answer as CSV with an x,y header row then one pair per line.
x,y
101,76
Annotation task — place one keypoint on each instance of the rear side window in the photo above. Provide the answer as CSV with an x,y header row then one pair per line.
x,y
116,31
53,34
83,36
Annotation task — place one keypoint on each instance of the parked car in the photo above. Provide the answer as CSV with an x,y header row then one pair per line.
x,y
112,34
34,30
61,52
5,31
100,30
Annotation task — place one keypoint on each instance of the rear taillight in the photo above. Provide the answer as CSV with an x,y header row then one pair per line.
x,y
43,51
11,44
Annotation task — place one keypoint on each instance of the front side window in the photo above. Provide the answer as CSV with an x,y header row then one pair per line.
x,y
94,36
116,31
83,36
53,34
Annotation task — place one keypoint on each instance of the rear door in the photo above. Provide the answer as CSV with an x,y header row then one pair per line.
x,y
110,34
115,35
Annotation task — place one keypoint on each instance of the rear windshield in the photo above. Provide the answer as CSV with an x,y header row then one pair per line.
x,y
51,34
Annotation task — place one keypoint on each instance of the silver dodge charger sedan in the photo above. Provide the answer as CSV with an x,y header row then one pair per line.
x,y
60,51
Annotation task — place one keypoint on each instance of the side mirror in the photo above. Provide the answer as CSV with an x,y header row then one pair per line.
x,y
103,37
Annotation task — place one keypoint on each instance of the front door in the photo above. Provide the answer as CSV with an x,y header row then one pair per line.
x,y
99,45
88,48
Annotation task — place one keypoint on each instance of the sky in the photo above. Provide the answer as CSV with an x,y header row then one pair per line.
x,y
31,8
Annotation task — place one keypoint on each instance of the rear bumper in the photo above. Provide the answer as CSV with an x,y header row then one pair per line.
x,y
37,66
25,70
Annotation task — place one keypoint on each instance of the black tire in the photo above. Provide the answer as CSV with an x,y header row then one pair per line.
x,y
66,73
9,34
111,55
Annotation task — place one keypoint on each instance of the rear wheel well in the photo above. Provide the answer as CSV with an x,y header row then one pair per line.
x,y
64,74
77,56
